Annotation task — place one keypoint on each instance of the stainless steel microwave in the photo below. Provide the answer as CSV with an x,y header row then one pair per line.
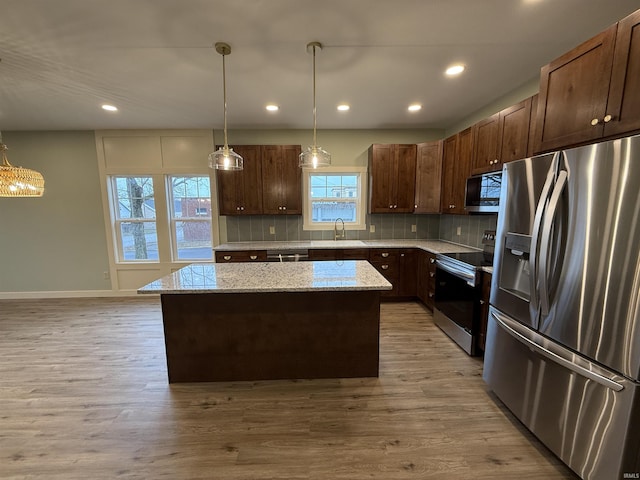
x,y
483,193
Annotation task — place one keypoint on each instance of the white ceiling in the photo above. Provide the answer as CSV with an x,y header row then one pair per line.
x,y
154,59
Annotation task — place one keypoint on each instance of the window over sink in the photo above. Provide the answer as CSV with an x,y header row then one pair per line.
x,y
334,193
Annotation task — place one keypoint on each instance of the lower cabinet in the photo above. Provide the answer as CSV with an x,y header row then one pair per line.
x,y
387,262
484,309
408,274
426,284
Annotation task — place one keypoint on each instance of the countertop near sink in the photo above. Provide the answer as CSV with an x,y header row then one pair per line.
x,y
433,246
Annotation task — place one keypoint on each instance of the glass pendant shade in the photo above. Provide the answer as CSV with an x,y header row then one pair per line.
x,y
18,181
314,157
225,159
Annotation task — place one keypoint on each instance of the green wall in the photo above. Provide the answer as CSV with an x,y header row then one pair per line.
x,y
56,242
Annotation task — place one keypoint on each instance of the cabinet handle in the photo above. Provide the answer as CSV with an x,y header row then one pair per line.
x,y
241,208
432,260
253,257
384,267
390,206
237,208
432,274
415,206
595,122
284,208
481,302
431,295
402,254
384,254
607,118
227,257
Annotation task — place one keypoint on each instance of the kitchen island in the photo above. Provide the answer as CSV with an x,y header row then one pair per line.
x,y
257,321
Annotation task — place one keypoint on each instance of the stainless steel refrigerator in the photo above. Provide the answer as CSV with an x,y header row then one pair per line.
x,y
563,341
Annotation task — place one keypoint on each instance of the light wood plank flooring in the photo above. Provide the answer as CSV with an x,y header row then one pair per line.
x,y
84,395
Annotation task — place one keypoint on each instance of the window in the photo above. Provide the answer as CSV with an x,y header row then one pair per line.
x,y
190,217
135,218
334,193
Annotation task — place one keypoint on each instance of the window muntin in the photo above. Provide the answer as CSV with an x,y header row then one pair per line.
x,y
190,217
135,218
334,193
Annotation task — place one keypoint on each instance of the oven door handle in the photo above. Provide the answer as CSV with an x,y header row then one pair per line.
x,y
466,276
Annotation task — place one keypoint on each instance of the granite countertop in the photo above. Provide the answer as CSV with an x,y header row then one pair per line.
x,y
433,246
259,277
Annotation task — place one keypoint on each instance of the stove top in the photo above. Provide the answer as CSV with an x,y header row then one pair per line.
x,y
473,259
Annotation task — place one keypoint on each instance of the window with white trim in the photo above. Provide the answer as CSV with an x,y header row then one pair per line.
x,y
134,210
334,193
190,217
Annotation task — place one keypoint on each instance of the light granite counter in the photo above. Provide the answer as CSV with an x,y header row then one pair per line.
x,y
433,246
261,277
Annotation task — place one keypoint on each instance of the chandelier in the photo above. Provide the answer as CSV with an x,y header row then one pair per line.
x,y
18,181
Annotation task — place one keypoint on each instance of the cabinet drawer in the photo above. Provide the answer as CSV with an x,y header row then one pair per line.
x,y
355,254
241,256
388,269
384,255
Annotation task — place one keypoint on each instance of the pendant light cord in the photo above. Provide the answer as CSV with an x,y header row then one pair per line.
x,y
224,94
314,97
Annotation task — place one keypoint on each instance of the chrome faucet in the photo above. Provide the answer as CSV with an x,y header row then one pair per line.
x,y
337,235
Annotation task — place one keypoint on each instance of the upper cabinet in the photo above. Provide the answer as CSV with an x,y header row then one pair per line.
x,y
428,177
502,137
240,191
591,91
456,167
392,174
270,182
281,180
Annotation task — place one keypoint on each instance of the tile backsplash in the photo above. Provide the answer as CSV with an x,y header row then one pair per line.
x,y
389,227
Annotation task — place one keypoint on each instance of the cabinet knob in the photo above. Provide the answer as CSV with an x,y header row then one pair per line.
x,y
227,257
607,118
384,267
431,295
481,302
384,254
402,254
284,208
241,208
432,260
280,208
432,274
415,206
237,208
595,122
253,257
390,206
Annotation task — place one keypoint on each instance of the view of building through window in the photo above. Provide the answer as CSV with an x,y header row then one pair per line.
x,y
334,196
191,217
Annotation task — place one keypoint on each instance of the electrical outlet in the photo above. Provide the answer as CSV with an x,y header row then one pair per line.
x,y
272,230
414,228
459,231
372,229
105,275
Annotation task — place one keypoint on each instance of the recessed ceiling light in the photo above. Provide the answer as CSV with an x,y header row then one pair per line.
x,y
454,70
109,108
343,107
415,107
272,108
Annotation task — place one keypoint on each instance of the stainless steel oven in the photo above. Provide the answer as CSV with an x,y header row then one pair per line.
x,y
457,309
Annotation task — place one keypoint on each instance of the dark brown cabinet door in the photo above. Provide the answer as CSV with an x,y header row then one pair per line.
x,y
408,278
405,178
449,153
240,192
573,93
392,170
514,132
484,309
281,180
428,177
623,107
486,155
462,169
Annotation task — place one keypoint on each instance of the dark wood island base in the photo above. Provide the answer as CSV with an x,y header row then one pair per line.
x,y
212,337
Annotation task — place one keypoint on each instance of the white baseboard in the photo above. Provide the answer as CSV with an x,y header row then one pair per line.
x,y
68,294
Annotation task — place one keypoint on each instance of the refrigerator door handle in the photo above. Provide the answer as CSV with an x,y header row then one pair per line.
x,y
546,243
535,234
519,333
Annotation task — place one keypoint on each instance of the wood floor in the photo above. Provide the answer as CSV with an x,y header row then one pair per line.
x,y
84,395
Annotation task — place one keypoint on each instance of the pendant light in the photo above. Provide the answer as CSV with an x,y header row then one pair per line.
x,y
18,181
225,158
314,156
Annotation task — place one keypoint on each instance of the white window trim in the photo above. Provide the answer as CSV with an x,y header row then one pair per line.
x,y
361,215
